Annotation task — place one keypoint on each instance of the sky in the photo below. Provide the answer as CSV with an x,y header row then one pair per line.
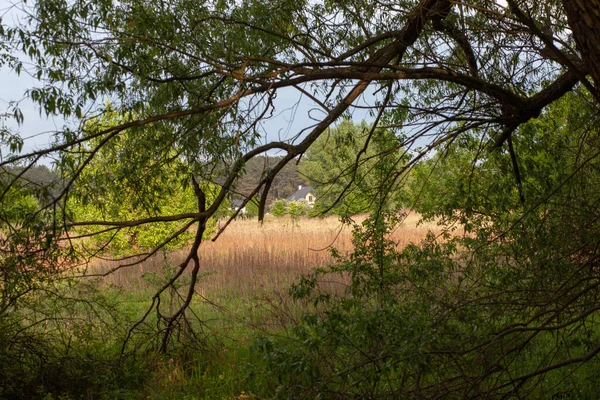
x,y
293,113
36,129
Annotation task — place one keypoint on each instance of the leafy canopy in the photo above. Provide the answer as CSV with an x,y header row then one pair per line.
x,y
121,184
354,169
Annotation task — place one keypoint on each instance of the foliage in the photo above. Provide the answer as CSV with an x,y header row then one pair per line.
x,y
63,340
297,209
556,161
279,208
472,314
28,251
252,208
353,168
504,305
17,205
161,188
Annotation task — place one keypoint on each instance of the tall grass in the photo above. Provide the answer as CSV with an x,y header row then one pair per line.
x,y
252,258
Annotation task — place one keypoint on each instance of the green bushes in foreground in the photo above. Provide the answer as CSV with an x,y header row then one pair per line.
x,y
429,321
502,304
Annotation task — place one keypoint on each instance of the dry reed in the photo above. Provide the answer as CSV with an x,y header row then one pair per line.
x,y
251,259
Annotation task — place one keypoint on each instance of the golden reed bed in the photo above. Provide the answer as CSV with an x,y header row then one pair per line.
x,y
250,257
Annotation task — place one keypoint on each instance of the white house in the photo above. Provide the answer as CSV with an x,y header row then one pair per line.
x,y
304,193
237,205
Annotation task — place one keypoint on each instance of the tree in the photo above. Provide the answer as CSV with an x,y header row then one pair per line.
x,y
201,80
151,186
353,169
505,306
279,208
583,19
297,209
18,206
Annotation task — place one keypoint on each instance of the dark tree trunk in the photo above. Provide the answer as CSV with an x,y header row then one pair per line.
x,y
584,19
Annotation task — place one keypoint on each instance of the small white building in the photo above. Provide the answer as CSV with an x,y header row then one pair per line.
x,y
304,193
237,205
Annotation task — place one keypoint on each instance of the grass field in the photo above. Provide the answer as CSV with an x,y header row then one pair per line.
x,y
251,258
242,307
242,295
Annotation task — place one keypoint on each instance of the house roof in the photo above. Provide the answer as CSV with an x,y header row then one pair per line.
x,y
236,203
301,193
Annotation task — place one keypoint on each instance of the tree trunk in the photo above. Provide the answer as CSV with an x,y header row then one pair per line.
x,y
584,20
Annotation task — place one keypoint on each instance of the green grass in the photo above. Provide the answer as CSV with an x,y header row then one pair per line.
x,y
216,364
219,361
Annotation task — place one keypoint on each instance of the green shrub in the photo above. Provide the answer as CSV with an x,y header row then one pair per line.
x,y
279,208
445,318
297,209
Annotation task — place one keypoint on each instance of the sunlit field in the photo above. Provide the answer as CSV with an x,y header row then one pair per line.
x,y
251,258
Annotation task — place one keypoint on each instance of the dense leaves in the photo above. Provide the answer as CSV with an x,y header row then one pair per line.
x,y
122,184
503,304
354,169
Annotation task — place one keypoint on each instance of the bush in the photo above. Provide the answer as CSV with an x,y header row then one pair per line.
x,y
297,209
279,208
451,317
251,208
